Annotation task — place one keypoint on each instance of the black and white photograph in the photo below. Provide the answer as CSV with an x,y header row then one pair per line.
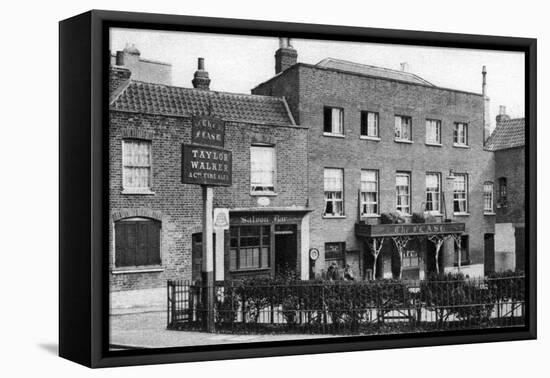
x,y
269,188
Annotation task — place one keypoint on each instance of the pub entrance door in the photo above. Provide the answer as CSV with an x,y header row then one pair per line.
x,y
286,248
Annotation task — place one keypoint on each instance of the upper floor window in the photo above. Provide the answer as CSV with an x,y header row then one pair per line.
x,y
433,192
136,165
460,134
502,191
137,242
369,124
488,197
460,193
433,131
403,128
369,192
333,121
262,169
403,192
334,192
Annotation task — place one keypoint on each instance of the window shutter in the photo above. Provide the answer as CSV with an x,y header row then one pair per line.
x,y
154,243
327,120
142,243
121,245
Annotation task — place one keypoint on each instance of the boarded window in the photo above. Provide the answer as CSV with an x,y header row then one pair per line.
x,y
137,243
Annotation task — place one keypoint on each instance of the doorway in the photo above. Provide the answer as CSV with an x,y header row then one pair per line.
x,y
489,253
286,249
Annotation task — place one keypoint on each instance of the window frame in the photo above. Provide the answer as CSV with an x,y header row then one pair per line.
x,y
136,190
456,134
342,199
260,247
137,268
400,139
502,191
332,133
365,113
397,195
438,132
341,258
438,193
274,170
486,193
377,202
466,194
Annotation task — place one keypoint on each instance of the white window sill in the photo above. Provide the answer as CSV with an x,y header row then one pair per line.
x,y
263,194
489,213
370,215
396,140
334,216
137,270
146,192
434,144
433,213
365,137
461,214
334,135
460,145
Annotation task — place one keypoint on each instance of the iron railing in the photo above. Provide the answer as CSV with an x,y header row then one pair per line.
x,y
357,307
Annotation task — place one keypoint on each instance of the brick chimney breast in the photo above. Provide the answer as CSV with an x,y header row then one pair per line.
x,y
201,79
502,116
286,56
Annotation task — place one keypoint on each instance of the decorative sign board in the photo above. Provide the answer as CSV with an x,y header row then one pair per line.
x,y
208,131
206,165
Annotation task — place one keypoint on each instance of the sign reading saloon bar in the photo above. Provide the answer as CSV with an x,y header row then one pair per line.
x,y
380,230
245,219
208,131
206,165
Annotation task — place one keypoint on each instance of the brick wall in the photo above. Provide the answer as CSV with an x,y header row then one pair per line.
x,y
117,76
316,88
179,206
510,163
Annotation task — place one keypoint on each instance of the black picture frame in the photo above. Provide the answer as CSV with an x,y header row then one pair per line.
x,y
83,112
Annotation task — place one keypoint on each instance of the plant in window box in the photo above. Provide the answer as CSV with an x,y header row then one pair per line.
x,y
418,218
391,218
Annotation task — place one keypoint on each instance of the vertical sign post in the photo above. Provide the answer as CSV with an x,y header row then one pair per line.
x,y
221,223
206,163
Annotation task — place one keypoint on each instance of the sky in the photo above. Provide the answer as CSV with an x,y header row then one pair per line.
x,y
239,63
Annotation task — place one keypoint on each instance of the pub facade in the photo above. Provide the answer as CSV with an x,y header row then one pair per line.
x,y
156,218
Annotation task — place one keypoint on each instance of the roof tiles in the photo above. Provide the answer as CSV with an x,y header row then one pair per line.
x,y
507,134
152,98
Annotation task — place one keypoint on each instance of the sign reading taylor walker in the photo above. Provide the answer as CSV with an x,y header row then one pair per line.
x,y
206,165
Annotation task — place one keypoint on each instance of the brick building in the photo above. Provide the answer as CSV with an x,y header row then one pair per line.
x,y
508,143
387,141
155,232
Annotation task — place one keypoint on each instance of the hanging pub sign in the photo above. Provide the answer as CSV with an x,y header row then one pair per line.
x,y
208,131
206,165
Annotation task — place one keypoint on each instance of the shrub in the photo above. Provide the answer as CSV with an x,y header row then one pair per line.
x,y
391,218
418,218
508,285
227,305
256,295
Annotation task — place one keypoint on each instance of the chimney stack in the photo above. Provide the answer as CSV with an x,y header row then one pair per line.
x,y
486,106
201,79
502,116
286,56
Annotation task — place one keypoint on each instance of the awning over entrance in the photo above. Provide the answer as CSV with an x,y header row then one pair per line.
x,y
407,229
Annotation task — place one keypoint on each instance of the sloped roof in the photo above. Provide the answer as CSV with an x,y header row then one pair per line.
x,y
365,69
508,133
153,98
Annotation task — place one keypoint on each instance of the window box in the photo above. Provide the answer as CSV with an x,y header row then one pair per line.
x,y
374,139
334,135
136,191
461,214
403,141
458,145
151,269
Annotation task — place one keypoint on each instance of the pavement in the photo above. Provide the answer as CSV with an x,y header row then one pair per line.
x,y
148,330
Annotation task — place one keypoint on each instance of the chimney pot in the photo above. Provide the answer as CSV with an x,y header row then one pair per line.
x,y
286,56
502,110
201,80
